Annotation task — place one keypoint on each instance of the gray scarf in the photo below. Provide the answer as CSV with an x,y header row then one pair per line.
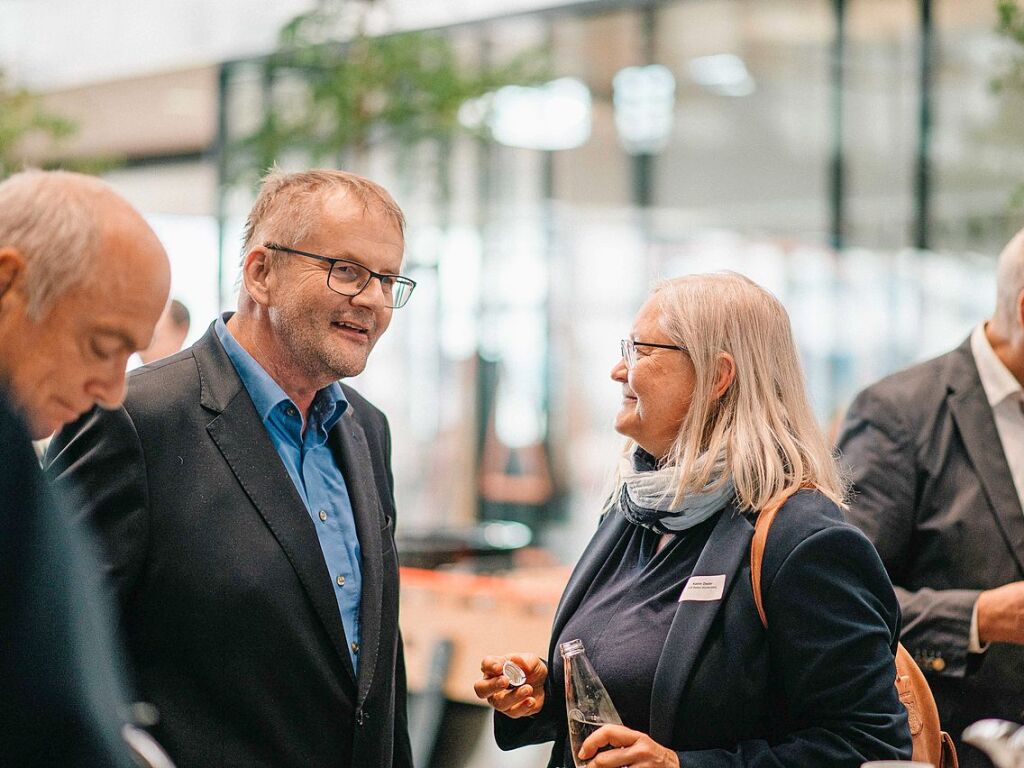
x,y
648,492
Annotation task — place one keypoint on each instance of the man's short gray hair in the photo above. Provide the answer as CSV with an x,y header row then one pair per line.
x,y
50,218
289,204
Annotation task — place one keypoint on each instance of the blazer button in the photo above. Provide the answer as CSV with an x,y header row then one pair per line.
x,y
360,717
938,664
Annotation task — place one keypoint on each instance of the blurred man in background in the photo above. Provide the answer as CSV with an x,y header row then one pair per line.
x,y
937,460
170,333
82,282
246,502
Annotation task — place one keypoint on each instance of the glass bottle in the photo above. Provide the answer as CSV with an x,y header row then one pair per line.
x,y
587,704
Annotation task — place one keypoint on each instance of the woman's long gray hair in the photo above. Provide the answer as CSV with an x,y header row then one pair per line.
x,y
763,422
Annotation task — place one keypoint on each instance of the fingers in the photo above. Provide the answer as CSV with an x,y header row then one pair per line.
x,y
493,687
515,702
489,686
491,665
493,680
627,748
618,758
608,736
534,667
528,706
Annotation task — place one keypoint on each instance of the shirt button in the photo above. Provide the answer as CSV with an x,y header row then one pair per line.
x,y
355,647
323,515
290,411
341,581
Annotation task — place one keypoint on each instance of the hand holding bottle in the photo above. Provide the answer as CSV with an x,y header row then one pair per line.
x,y
635,749
521,701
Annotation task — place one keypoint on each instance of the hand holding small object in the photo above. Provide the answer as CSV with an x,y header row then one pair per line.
x,y
497,689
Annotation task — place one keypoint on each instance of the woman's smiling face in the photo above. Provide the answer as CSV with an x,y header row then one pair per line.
x,y
657,391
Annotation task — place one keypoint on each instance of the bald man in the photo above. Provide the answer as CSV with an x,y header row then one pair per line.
x,y
936,455
83,280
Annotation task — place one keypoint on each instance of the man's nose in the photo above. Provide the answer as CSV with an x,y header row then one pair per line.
x,y
372,294
619,372
108,389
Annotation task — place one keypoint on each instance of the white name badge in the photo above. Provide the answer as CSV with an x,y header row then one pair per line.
x,y
704,588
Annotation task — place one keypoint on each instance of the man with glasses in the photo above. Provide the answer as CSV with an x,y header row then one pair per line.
x,y
245,499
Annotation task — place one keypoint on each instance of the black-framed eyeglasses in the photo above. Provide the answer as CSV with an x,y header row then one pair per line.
x,y
628,349
349,278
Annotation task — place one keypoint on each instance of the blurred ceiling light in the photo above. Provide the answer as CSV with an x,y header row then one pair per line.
x,y
724,74
553,116
506,534
644,99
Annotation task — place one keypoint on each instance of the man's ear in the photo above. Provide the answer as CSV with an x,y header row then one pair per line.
x,y
12,270
725,376
256,275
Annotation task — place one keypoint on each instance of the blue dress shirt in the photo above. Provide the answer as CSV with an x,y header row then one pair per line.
x,y
317,477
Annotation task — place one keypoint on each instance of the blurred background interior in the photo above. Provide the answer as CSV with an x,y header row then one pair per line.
x,y
860,158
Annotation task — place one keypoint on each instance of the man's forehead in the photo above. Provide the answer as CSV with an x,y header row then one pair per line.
x,y
365,219
392,241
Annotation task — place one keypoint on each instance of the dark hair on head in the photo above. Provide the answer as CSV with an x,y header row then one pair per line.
x,y
179,314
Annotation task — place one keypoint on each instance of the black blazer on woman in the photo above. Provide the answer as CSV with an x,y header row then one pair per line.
x,y
227,605
814,689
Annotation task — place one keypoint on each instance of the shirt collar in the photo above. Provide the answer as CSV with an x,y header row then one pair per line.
x,y
996,379
332,403
328,404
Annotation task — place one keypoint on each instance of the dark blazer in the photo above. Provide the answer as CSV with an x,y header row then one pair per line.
x,y
815,688
62,694
227,604
934,493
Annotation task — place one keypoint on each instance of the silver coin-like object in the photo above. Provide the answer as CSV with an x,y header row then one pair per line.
x,y
515,675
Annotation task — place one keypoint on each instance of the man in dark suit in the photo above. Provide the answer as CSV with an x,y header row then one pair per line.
x,y
245,500
82,282
936,454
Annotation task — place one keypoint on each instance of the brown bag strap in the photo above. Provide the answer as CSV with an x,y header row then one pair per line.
x,y
761,526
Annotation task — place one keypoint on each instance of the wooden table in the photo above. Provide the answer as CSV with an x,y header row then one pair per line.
x,y
480,616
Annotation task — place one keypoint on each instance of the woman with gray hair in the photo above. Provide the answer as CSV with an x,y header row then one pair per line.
x,y
719,429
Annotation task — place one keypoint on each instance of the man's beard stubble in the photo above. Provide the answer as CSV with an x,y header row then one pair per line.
x,y
312,350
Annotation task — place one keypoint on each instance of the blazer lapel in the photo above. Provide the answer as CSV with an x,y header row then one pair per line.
x,y
349,440
726,551
583,574
977,427
240,436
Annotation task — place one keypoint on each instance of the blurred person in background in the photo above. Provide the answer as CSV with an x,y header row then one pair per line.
x,y
245,500
169,336
719,427
82,282
936,455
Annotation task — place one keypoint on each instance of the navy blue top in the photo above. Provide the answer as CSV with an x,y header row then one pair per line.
x,y
625,616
